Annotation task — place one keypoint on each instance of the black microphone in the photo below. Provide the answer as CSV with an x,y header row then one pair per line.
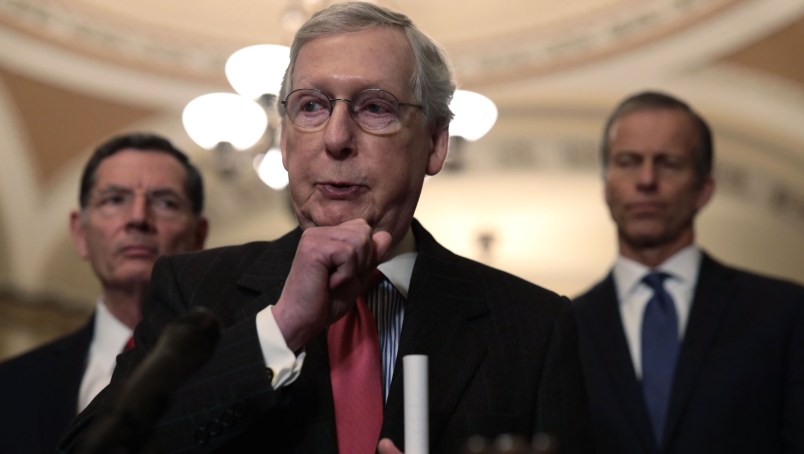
x,y
184,346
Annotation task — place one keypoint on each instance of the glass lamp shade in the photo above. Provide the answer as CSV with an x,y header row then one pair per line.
x,y
257,70
215,118
475,114
270,169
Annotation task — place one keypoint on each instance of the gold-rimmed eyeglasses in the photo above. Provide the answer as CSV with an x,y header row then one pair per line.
x,y
374,109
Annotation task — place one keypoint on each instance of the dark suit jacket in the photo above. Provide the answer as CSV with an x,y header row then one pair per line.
x,y
40,393
502,352
739,380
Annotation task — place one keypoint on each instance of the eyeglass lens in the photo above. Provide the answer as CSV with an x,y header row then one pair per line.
x,y
372,109
164,204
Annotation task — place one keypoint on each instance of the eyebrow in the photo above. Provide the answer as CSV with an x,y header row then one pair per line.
x,y
161,190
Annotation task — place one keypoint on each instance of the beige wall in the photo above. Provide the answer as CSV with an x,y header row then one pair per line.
x,y
25,324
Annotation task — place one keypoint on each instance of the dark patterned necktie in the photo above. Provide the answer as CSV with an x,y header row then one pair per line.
x,y
659,351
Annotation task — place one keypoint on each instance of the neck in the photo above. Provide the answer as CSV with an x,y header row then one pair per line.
x,y
407,244
654,255
124,304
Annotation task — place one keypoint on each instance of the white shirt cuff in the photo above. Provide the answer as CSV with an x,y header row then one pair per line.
x,y
286,366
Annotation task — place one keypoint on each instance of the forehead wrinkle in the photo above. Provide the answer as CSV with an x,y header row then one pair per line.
x,y
356,70
137,169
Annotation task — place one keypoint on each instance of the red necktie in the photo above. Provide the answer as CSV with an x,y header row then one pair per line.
x,y
129,344
356,378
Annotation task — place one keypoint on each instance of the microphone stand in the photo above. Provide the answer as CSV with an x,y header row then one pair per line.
x,y
184,346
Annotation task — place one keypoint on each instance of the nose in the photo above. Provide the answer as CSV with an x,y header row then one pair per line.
x,y
339,131
139,215
647,177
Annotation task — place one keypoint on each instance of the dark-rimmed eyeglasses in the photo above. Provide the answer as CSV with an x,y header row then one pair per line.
x,y
373,109
162,203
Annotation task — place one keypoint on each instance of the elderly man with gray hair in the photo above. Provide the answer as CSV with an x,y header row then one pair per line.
x,y
316,323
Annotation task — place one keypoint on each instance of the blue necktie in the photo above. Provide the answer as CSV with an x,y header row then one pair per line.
x,y
659,351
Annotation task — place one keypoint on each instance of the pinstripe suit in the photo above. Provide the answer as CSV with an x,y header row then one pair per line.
x,y
503,356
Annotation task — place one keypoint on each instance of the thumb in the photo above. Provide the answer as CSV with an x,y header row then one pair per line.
x,y
387,446
382,244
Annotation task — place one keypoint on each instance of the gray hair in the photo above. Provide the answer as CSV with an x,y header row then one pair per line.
x,y
653,100
432,81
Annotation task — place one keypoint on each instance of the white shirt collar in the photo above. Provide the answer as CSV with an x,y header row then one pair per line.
x,y
398,270
633,294
108,339
682,266
111,334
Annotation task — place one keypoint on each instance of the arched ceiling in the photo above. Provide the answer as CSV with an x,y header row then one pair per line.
x,y
512,39
74,72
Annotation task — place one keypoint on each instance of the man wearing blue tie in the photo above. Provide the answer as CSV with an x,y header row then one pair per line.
x,y
681,353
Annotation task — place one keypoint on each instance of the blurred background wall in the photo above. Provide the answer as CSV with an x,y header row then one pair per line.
x,y
525,198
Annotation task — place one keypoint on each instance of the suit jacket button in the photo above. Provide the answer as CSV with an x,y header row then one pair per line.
x,y
238,410
201,435
227,418
214,427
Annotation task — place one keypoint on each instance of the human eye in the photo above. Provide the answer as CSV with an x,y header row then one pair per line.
x,y
375,109
376,103
113,198
625,160
166,202
310,102
671,163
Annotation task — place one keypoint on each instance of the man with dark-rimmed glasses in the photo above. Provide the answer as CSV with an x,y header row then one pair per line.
x,y
140,197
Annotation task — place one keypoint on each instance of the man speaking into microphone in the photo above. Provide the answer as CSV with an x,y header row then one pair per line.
x,y
310,355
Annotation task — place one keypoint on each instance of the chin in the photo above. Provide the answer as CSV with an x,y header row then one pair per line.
x,y
647,240
136,273
333,217
645,237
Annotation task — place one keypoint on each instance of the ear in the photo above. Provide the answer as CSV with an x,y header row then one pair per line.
x,y
283,146
201,231
705,192
606,195
435,162
79,233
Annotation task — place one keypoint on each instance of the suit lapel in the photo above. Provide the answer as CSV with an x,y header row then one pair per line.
x,y
709,307
441,316
604,324
68,362
312,391
268,272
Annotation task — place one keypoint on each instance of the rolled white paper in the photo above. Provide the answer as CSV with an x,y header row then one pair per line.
x,y
416,420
